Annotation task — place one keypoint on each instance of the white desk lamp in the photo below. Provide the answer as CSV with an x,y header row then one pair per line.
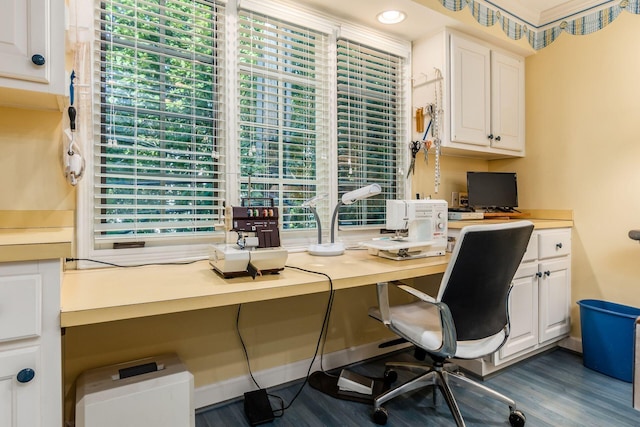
x,y
311,204
333,248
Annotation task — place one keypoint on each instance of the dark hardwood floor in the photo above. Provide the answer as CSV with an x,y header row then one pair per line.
x,y
553,389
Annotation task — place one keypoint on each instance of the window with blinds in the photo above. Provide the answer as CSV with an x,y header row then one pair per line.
x,y
159,158
283,115
371,127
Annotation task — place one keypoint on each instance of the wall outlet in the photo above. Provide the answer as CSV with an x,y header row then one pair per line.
x,y
455,199
464,200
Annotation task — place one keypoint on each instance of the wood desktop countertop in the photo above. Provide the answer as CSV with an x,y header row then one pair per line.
x,y
110,294
35,235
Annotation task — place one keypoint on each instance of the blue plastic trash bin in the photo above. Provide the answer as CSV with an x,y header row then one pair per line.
x,y
607,337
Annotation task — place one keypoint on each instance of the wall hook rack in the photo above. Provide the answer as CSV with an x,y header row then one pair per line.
x,y
423,79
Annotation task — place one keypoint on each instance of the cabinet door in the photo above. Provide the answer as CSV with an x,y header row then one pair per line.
x,y
523,312
24,29
554,293
470,92
19,401
20,306
507,102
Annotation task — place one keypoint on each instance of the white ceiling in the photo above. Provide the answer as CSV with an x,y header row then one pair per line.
x,y
541,12
422,20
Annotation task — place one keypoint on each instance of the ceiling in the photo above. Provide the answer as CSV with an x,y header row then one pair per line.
x,y
541,12
422,20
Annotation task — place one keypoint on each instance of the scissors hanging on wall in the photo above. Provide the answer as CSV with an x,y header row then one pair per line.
x,y
416,146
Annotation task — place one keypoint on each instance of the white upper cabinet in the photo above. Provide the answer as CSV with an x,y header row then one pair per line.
x,y
483,94
31,52
470,92
507,102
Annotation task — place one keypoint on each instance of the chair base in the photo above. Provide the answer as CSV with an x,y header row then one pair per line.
x,y
439,376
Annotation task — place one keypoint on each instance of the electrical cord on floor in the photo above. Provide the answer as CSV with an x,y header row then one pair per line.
x,y
136,265
246,358
325,323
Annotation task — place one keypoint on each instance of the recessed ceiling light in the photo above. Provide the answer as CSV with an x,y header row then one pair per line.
x,y
391,16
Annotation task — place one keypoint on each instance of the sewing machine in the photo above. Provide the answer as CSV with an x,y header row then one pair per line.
x,y
257,250
420,230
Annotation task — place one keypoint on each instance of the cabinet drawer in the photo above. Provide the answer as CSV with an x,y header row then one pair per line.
x,y
20,306
554,244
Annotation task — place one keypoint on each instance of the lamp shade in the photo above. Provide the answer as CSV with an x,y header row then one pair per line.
x,y
314,200
361,193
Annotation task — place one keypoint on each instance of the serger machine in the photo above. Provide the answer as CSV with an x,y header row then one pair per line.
x,y
420,230
257,249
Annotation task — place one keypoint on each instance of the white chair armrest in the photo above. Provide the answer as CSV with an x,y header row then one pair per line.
x,y
383,302
418,294
449,339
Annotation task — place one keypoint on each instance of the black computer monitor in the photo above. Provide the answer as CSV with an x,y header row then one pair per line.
x,y
492,190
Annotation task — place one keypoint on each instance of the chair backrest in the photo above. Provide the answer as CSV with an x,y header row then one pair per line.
x,y
478,278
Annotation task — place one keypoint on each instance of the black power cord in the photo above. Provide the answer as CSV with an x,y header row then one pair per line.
x,y
321,341
132,266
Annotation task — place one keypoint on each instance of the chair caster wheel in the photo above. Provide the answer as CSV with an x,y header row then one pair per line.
x,y
380,416
517,418
390,376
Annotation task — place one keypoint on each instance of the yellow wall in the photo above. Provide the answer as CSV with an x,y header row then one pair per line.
x,y
453,175
583,152
31,169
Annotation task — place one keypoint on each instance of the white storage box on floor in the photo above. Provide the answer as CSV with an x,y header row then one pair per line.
x,y
151,392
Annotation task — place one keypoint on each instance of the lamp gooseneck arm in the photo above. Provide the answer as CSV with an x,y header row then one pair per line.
x,y
315,215
333,221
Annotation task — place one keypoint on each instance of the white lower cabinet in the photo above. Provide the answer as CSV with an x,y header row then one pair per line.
x,y
539,303
523,309
19,399
30,344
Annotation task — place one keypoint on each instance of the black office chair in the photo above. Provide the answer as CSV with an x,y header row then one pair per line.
x,y
468,319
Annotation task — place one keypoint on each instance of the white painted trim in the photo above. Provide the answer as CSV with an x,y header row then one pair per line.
x,y
235,387
542,17
572,343
570,8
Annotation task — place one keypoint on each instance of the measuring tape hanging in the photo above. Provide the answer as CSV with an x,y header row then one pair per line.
x,y
435,130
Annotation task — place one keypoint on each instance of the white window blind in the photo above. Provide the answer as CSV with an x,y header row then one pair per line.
x,y
283,114
371,129
159,162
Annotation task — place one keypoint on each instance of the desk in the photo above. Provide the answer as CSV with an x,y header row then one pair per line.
x,y
109,294
118,314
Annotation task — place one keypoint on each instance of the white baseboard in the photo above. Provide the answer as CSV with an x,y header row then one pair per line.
x,y
234,387
572,343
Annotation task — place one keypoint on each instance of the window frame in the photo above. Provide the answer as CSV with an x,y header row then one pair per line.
x,y
292,240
